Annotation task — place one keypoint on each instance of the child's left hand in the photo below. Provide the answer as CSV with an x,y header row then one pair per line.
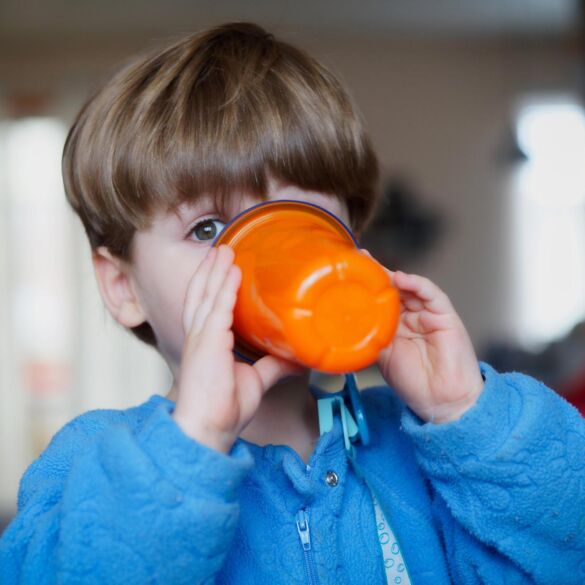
x,y
431,362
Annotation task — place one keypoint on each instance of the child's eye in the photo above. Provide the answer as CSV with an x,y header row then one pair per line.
x,y
206,230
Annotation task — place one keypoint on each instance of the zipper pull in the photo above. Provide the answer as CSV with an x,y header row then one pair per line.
x,y
303,529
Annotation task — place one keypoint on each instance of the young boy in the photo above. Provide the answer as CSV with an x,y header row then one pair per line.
x,y
470,476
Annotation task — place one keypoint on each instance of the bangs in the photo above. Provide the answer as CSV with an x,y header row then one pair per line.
x,y
233,128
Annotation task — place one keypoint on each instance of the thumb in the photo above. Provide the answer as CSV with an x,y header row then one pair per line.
x,y
272,369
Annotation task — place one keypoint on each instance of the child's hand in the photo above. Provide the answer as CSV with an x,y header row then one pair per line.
x,y
431,362
217,396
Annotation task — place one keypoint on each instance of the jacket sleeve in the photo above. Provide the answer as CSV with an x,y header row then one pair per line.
x,y
145,507
511,473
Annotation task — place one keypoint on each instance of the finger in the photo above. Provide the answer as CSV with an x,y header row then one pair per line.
x,y
223,260
213,286
271,369
425,322
410,303
196,287
221,316
430,294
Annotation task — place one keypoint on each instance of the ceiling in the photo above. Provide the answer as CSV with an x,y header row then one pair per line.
x,y
30,21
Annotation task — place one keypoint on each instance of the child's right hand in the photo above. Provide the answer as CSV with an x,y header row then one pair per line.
x,y
216,395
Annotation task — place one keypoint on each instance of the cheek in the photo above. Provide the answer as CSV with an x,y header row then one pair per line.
x,y
164,299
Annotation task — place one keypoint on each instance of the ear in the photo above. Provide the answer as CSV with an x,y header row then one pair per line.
x,y
116,288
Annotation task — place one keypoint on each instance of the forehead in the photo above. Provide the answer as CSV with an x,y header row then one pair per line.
x,y
202,205
224,208
331,203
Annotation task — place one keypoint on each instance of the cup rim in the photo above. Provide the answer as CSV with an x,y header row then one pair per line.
x,y
277,202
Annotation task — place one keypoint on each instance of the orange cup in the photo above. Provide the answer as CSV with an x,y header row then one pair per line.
x,y
307,293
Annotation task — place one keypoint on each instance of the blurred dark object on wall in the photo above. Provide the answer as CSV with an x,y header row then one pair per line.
x,y
560,365
405,228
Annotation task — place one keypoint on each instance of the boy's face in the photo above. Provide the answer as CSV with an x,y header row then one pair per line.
x,y
166,255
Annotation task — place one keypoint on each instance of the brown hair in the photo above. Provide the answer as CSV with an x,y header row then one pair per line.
x,y
215,113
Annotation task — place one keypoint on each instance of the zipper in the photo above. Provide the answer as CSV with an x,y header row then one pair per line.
x,y
302,520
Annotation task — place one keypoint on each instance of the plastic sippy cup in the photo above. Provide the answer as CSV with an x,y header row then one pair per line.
x,y
307,293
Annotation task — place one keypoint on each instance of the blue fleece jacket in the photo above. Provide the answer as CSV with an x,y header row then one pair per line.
x,y
497,497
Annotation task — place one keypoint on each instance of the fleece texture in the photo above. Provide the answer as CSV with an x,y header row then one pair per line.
x,y
497,497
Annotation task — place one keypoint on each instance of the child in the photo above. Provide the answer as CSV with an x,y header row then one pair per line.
x,y
478,477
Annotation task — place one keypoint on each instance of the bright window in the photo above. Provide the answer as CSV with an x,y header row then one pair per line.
x,y
36,294
549,209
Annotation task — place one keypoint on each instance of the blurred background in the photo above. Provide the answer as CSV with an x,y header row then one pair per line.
x,y
476,110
